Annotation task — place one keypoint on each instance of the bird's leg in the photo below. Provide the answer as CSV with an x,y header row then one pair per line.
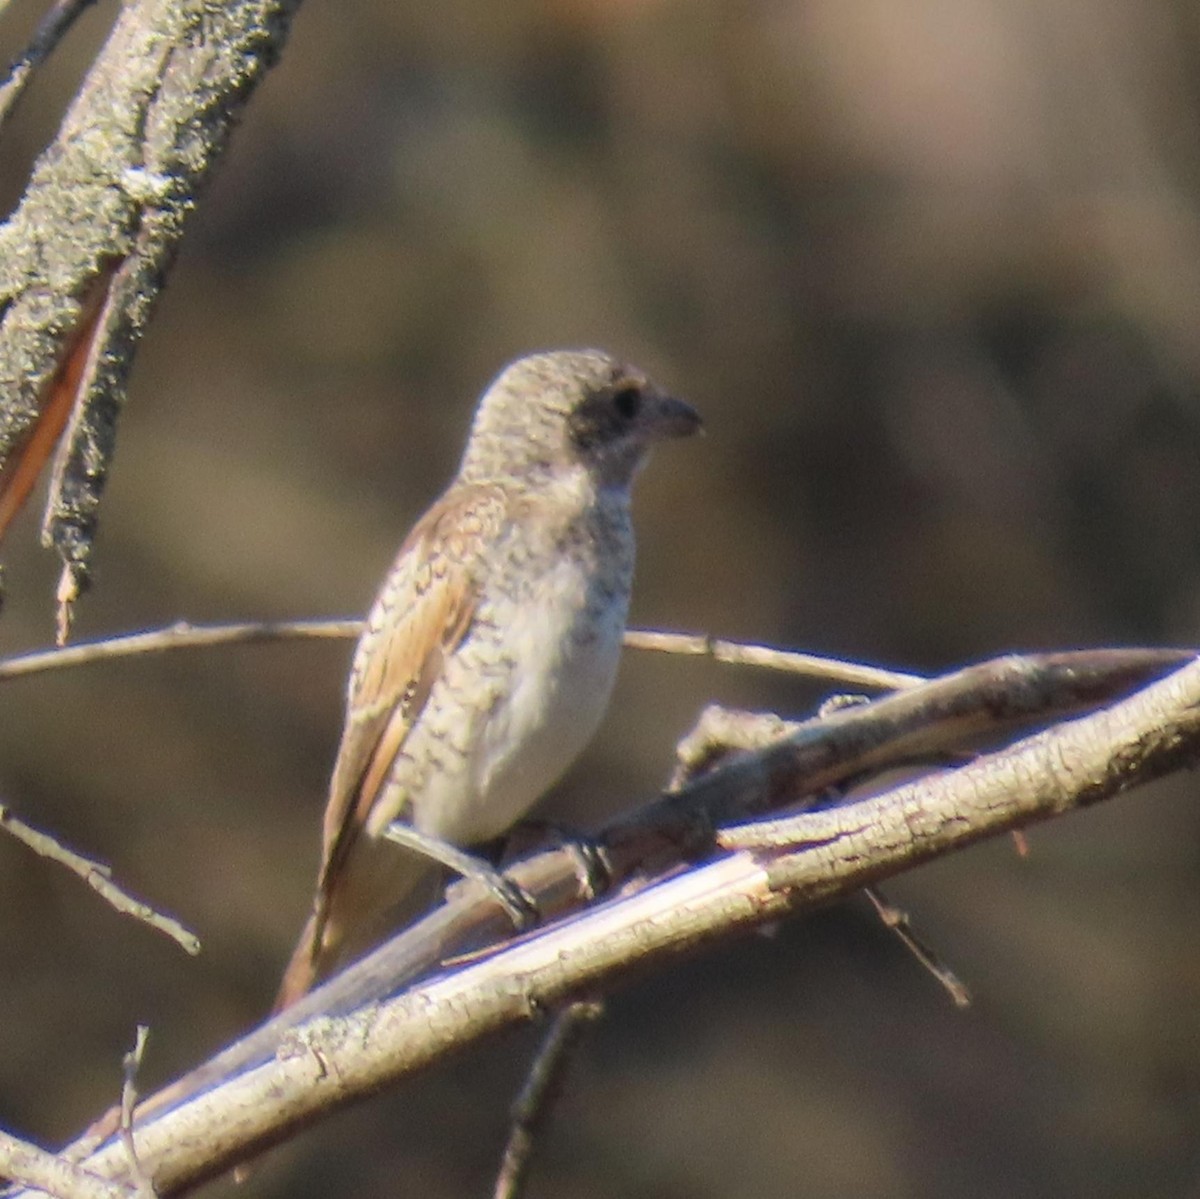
x,y
518,905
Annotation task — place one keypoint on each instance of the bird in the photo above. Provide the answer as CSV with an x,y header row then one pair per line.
x,y
490,653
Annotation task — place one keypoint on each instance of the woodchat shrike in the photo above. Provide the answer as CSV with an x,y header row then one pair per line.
x,y
490,653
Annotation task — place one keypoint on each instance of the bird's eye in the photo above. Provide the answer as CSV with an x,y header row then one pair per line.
x,y
627,402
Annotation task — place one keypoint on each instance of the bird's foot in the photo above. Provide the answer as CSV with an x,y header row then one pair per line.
x,y
591,865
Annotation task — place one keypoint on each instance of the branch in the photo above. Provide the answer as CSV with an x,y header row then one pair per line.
x,y
340,1048
185,635
180,635
898,921
111,194
131,1064
1072,766
51,30
98,876
541,1087
854,674
30,1166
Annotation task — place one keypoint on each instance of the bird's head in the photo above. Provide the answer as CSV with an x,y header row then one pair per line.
x,y
569,411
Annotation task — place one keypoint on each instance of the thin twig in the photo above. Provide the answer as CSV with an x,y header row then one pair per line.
x,y
898,921
737,653
53,27
183,635
542,1086
130,1064
180,635
98,876
32,1166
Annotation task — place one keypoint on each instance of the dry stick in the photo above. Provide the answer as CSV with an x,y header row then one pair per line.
x,y
897,920
180,635
541,1088
31,1166
739,654
794,866
130,1065
50,31
183,635
98,876
720,731
1055,770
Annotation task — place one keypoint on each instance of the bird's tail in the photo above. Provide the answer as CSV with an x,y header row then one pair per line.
x,y
303,968
387,888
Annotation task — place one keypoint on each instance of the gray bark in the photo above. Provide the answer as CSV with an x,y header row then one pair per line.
x,y
112,194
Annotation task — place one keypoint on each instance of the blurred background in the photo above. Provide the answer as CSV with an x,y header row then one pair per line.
x,y
932,273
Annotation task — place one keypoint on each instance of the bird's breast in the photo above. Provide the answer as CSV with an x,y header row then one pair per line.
x,y
532,680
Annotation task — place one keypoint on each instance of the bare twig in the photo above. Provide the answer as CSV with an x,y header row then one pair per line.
x,y
542,1086
1067,766
50,31
98,876
31,1166
854,674
130,1064
183,635
898,921
180,635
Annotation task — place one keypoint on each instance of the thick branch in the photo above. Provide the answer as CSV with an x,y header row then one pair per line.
x,y
110,194
331,1060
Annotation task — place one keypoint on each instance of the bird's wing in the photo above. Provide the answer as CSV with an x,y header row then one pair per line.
x,y
420,618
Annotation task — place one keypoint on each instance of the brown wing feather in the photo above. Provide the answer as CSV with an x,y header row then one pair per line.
x,y
420,617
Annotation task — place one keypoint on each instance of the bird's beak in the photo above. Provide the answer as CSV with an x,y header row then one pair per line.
x,y
666,416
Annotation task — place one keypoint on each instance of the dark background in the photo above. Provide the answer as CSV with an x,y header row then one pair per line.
x,y
932,273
